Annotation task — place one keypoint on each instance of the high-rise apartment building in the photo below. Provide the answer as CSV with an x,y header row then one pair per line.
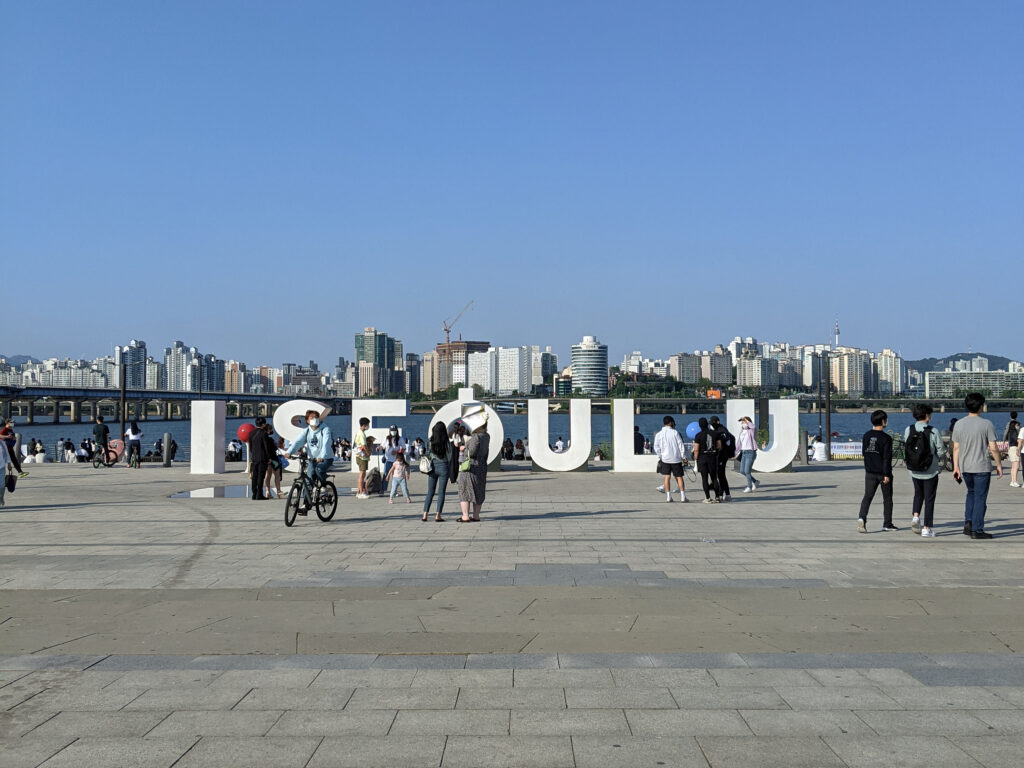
x,y
590,366
543,365
429,375
156,375
451,359
852,372
716,366
235,377
182,366
757,373
482,370
133,358
890,373
684,367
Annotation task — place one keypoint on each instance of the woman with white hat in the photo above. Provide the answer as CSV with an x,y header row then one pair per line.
x,y
472,479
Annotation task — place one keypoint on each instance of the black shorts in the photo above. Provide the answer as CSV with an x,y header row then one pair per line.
x,y
675,470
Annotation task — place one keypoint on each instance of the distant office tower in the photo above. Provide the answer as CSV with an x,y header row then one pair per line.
x,y
482,370
413,373
429,376
366,382
562,385
543,365
452,360
716,366
133,358
757,373
891,373
235,377
684,367
590,366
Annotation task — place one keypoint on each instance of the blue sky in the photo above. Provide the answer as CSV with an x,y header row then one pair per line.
x,y
262,180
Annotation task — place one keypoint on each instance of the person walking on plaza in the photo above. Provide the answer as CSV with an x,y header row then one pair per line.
x,y
876,448
638,441
1011,437
439,451
473,468
133,442
923,456
261,451
398,477
746,452
974,441
668,445
706,448
5,460
361,454
728,450
10,441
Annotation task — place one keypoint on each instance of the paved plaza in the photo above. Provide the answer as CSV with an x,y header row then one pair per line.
x,y
584,622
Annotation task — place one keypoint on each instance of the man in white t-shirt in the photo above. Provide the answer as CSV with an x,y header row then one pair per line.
x,y
559,445
671,456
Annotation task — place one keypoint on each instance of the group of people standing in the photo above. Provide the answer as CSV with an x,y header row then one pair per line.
x,y
975,454
713,447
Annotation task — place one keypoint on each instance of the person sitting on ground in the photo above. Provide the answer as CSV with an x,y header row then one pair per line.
x,y
519,452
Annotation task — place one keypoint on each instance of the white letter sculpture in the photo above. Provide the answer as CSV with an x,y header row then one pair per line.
x,y
623,458
579,430
783,426
371,409
290,420
453,412
207,452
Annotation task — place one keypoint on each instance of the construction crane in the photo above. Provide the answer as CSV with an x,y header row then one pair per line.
x,y
448,327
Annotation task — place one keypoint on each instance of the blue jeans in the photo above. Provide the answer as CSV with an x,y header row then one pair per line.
x,y
399,482
436,481
384,471
747,466
315,469
977,496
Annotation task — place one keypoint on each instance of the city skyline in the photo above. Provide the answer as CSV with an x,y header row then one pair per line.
x,y
671,172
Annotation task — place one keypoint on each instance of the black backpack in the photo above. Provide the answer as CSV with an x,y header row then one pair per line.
x,y
728,442
1012,432
919,449
373,483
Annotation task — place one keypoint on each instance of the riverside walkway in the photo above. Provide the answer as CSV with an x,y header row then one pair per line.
x,y
584,622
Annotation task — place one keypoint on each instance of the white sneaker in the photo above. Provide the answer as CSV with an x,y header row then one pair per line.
x,y
660,488
861,526
709,501
1015,485
668,497
915,524
927,533
682,498
748,490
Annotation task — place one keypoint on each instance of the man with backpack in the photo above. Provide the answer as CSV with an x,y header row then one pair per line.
x,y
923,457
728,450
877,451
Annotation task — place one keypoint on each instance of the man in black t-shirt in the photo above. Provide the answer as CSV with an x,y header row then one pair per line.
x,y
728,450
101,434
877,451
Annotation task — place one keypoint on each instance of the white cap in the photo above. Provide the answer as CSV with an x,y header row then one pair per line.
x,y
474,415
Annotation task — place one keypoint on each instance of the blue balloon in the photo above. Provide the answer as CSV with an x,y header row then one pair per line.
x,y
692,429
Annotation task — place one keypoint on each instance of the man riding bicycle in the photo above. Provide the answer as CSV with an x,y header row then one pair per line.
x,y
316,438
101,434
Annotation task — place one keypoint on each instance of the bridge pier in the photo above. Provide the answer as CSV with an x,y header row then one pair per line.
x,y
56,411
30,412
168,410
5,410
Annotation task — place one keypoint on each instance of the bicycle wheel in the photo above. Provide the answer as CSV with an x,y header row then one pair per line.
x,y
691,475
326,501
291,506
97,459
109,458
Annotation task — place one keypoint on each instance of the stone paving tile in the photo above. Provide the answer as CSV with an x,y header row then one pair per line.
x,y
937,697
266,752
364,678
1014,696
585,660
54,661
484,722
992,751
512,661
23,720
1006,720
379,752
404,698
215,723
184,678
28,753
473,678
366,722
508,752
847,697
275,678
96,752
169,699
511,698
770,722
728,698
662,677
688,722
619,698
919,721
437,661
749,751
84,700
562,678
762,677
931,751
100,724
293,698
568,722
614,752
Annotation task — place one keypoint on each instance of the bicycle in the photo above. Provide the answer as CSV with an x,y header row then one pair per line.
x,y
899,451
322,494
106,457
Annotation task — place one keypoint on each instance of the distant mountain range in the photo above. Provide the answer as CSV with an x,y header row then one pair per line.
x,y
19,359
995,362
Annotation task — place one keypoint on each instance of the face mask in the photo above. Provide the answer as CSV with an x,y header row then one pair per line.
x,y
314,423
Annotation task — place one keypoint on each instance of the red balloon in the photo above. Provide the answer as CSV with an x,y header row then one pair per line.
x,y
244,431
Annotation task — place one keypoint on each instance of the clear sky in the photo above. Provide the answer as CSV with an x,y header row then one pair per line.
x,y
263,179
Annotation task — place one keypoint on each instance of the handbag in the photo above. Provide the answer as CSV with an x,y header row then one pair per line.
x,y
661,467
464,466
11,481
426,465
